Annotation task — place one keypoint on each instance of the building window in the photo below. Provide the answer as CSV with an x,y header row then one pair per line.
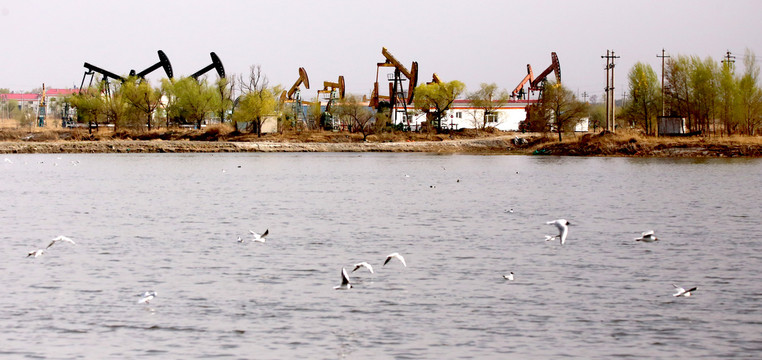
x,y
458,115
492,118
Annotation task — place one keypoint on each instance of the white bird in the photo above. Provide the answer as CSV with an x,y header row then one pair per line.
x,y
365,265
241,240
259,237
8,160
682,292
509,277
146,297
61,238
647,236
563,230
397,256
36,253
345,285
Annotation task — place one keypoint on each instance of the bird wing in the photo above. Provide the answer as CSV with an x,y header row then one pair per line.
x,y
387,259
64,238
648,233
402,259
564,232
692,289
267,231
344,277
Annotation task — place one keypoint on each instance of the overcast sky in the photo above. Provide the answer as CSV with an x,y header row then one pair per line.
x,y
471,41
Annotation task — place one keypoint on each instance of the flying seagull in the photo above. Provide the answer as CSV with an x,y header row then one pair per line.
x,y
647,236
61,238
563,230
258,237
682,292
146,297
509,277
345,285
36,253
365,265
397,256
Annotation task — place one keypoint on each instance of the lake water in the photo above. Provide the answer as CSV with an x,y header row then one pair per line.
x,y
169,223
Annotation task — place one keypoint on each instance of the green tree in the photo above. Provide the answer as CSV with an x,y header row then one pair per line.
x,y
314,113
91,108
677,92
194,99
255,106
703,80
645,92
560,106
597,114
435,99
728,98
485,103
116,108
224,100
357,114
750,95
142,98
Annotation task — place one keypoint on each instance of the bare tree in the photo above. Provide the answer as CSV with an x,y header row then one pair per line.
x,y
485,102
255,82
358,114
560,106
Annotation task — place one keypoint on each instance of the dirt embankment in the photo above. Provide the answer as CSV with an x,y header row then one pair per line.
x,y
218,140
610,144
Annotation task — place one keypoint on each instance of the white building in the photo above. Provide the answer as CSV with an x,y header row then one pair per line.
x,y
463,115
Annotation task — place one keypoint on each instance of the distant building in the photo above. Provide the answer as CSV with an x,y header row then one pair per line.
x,y
583,125
464,115
31,101
671,125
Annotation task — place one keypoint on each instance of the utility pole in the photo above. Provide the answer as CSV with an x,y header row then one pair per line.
x,y
584,96
729,59
610,102
606,89
662,56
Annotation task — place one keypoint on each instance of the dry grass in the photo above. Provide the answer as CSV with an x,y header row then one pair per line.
x,y
636,144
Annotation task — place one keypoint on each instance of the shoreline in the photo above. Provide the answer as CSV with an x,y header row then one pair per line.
x,y
588,145
489,145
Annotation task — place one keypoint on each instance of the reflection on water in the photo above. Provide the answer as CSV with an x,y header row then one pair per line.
x,y
169,223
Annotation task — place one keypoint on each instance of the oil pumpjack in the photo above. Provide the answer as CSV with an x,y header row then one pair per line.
x,y
163,63
294,96
216,65
537,83
396,92
42,108
335,92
